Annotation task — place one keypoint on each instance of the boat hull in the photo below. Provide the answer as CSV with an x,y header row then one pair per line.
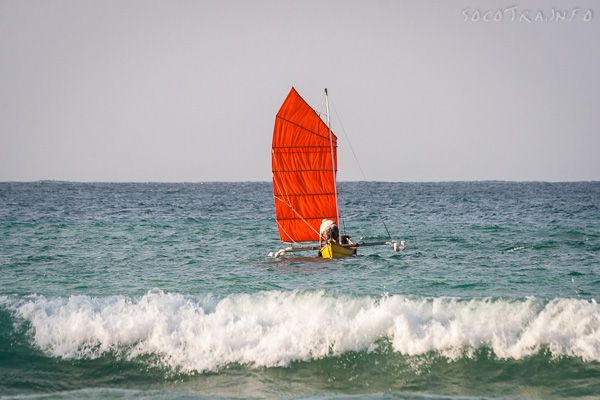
x,y
334,250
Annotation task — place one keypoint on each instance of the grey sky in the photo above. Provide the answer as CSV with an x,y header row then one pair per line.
x,y
188,90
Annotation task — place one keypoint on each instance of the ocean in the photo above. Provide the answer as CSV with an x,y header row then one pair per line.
x,y
165,291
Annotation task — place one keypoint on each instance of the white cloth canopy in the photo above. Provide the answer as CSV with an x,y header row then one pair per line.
x,y
326,225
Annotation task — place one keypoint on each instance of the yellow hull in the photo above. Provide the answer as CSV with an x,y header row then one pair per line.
x,y
334,250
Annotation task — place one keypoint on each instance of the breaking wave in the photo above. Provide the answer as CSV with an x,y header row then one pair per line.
x,y
267,329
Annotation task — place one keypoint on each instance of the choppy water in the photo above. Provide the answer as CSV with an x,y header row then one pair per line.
x,y
164,291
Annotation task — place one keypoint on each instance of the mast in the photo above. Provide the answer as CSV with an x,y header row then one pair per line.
x,y
337,208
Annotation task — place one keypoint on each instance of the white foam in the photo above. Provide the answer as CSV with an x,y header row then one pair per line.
x,y
276,328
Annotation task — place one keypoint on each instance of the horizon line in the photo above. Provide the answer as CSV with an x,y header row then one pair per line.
x,y
265,181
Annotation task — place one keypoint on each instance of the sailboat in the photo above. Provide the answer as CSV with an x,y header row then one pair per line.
x,y
304,166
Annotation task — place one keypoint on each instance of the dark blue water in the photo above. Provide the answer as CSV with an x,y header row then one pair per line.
x,y
166,291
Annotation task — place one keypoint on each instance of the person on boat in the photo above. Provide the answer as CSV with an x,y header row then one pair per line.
x,y
328,231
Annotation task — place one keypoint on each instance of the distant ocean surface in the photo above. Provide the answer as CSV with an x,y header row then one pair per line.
x,y
165,291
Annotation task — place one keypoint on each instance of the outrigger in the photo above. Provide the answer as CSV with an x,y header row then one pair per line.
x,y
304,165
334,250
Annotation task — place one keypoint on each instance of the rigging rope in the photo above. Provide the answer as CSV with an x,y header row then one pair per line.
x,y
356,159
362,172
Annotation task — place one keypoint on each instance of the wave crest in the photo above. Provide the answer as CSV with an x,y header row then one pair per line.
x,y
276,328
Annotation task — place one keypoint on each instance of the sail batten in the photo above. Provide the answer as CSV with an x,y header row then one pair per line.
x,y
303,127
303,170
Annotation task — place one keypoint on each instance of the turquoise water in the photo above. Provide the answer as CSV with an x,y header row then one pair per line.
x,y
165,291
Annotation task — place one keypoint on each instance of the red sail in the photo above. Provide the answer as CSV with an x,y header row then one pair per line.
x,y
303,171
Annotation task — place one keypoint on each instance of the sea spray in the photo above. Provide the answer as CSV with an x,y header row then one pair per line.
x,y
275,328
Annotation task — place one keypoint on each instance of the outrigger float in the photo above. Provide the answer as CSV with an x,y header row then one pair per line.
x,y
304,164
